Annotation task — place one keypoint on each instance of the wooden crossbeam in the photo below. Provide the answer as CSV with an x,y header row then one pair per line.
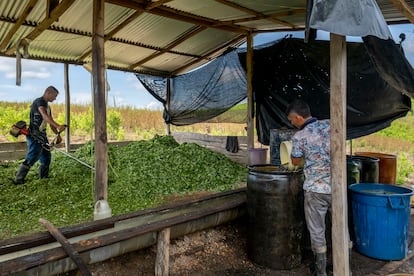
x,y
237,40
257,15
28,261
267,16
192,32
180,15
404,8
18,23
108,36
55,14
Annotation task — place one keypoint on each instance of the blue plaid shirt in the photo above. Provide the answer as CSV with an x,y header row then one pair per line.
x,y
313,143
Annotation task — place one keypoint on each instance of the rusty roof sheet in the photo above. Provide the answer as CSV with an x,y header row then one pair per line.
x,y
164,37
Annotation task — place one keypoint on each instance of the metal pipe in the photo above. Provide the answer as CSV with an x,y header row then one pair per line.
x,y
74,158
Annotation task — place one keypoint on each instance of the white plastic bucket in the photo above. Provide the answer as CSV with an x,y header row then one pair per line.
x,y
285,150
102,210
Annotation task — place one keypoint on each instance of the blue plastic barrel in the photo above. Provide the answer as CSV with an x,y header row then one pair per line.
x,y
381,215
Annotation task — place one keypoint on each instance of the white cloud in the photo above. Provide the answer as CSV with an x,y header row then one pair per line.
x,y
154,105
80,98
31,69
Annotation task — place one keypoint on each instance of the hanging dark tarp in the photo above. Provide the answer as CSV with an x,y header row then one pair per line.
x,y
202,94
348,17
291,69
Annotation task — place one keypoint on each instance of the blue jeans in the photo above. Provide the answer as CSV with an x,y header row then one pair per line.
x,y
36,152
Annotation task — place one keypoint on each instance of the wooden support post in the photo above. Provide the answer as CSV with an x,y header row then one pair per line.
x,y
163,253
250,103
99,101
167,105
67,107
340,234
73,254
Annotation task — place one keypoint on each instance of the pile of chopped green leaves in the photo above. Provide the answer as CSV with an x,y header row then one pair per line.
x,y
140,175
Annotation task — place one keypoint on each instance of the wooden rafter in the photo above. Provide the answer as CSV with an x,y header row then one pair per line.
x,y
108,36
158,3
267,16
180,15
170,46
56,13
88,34
257,15
404,8
237,40
18,23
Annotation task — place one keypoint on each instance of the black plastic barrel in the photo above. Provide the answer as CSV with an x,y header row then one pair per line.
x,y
353,176
368,168
276,222
352,171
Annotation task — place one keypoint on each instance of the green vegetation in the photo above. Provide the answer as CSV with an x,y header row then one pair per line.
x,y
397,139
141,175
147,171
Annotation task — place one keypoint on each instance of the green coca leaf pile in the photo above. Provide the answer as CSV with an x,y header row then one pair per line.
x,y
140,175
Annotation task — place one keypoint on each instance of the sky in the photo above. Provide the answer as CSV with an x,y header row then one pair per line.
x,y
125,89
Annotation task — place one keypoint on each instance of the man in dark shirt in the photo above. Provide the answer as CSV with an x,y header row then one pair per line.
x,y
37,142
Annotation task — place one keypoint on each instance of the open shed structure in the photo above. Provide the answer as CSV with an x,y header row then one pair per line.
x,y
171,37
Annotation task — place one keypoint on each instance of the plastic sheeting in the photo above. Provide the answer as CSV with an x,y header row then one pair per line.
x,y
349,17
291,69
202,94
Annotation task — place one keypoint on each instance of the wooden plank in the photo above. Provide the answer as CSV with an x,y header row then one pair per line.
x,y
46,23
340,235
162,260
404,8
250,104
12,155
189,136
73,254
50,255
13,146
24,242
18,23
99,100
67,107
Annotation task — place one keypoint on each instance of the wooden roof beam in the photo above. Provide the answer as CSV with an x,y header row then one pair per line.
x,y
18,23
258,15
404,8
180,15
206,56
131,18
108,36
267,16
55,14
192,32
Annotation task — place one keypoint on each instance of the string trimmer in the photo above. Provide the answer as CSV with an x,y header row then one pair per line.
x,y
20,128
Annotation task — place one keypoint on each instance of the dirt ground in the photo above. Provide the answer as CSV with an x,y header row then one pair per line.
x,y
222,251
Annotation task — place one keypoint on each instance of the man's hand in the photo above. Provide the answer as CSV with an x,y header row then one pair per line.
x,y
60,128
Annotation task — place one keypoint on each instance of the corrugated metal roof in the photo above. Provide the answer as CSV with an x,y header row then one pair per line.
x,y
157,37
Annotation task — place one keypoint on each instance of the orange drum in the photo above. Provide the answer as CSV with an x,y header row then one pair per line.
x,y
387,166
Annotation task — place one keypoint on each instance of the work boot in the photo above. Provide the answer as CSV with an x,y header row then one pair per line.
x,y
43,171
21,173
320,264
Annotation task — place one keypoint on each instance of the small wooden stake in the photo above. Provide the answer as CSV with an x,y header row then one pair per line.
x,y
74,255
163,253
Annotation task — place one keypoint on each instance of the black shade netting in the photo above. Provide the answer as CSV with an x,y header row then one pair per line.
x,y
201,94
291,69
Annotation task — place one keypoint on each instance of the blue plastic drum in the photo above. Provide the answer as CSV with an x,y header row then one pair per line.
x,y
381,219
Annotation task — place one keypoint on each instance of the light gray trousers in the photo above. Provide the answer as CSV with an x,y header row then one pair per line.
x,y
316,207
